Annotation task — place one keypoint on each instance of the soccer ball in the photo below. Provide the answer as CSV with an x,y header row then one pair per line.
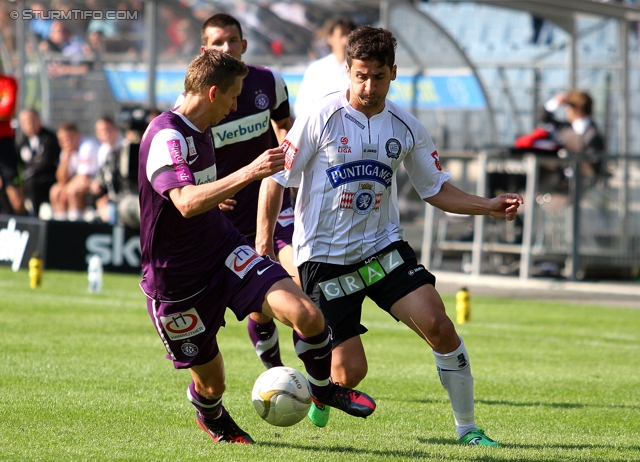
x,y
281,396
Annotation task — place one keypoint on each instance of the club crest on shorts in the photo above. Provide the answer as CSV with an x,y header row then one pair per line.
x,y
189,349
393,148
262,101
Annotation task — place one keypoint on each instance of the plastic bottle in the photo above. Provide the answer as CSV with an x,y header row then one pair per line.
x,y
463,306
35,270
94,274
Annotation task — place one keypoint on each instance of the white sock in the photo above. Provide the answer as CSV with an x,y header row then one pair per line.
x,y
454,370
74,214
60,215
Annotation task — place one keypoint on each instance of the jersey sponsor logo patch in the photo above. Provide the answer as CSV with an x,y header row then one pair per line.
x,y
262,101
350,118
393,148
242,259
434,154
344,140
179,164
361,170
374,270
192,155
286,217
182,325
370,150
241,130
290,152
207,175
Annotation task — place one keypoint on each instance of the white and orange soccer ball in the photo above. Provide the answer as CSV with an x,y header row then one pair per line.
x,y
281,396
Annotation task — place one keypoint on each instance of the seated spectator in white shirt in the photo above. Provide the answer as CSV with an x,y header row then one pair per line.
x,y
77,168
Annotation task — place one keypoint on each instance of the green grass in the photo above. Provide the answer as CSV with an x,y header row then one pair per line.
x,y
83,377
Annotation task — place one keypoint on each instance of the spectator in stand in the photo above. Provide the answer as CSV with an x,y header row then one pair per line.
x,y
108,184
131,31
11,192
182,46
109,27
541,31
327,74
72,48
577,134
77,168
108,134
39,155
40,26
8,30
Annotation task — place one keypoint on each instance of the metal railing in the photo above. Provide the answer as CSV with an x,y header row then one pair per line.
x,y
572,224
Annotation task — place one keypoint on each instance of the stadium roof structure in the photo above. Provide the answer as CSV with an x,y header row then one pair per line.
x,y
414,29
563,13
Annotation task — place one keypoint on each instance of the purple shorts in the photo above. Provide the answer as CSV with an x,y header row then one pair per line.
x,y
282,234
188,327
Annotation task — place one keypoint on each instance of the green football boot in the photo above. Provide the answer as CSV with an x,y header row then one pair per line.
x,y
319,414
478,438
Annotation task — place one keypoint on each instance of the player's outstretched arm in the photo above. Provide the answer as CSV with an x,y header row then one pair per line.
x,y
269,205
454,200
196,199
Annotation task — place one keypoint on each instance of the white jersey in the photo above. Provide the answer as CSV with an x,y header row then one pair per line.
x,y
322,77
345,165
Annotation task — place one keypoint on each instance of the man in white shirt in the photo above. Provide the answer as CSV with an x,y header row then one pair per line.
x,y
347,235
78,165
328,74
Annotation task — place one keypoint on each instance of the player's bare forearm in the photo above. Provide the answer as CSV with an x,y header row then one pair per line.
x,y
269,205
454,200
281,128
196,199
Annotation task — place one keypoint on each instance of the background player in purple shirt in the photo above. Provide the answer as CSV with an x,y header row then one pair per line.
x,y
261,122
195,263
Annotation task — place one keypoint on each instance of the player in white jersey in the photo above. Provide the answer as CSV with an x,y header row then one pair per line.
x,y
348,239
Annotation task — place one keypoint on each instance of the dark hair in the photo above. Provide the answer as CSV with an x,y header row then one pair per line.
x,y
340,21
213,67
107,118
368,43
68,127
221,21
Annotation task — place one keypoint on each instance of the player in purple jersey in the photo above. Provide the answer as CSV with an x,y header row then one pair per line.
x,y
195,263
260,122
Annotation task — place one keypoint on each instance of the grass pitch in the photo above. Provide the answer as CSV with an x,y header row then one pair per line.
x,y
83,377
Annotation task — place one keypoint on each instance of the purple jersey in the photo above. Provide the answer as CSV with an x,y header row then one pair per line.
x,y
245,134
178,253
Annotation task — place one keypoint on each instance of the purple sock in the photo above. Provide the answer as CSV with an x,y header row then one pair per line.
x,y
315,353
265,341
209,409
